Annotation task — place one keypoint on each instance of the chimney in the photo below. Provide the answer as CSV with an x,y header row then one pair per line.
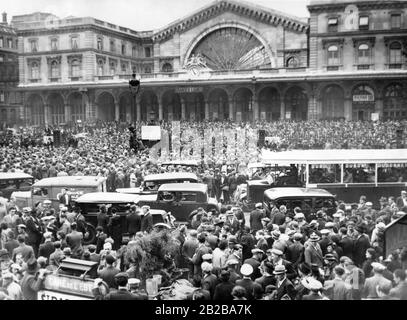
x,y
4,17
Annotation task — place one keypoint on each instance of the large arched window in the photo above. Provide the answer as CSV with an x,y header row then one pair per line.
x,y
75,68
363,54
35,70
54,69
394,104
395,55
292,62
333,56
167,67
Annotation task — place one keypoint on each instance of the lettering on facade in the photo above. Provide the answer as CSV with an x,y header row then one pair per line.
x,y
363,98
188,90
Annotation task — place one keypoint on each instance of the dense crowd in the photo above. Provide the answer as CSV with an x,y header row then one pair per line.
x,y
225,255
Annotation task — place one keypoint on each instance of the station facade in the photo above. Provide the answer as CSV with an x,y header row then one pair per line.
x,y
228,60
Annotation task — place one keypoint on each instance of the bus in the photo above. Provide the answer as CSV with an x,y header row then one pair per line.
x,y
348,174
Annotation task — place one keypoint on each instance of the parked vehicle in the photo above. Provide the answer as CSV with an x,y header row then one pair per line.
x,y
152,182
15,181
50,189
181,199
308,199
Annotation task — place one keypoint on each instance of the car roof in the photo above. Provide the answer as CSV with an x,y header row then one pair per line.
x,y
70,181
276,193
194,187
14,175
181,162
107,197
171,176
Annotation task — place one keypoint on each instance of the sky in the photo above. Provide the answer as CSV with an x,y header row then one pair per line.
x,y
140,15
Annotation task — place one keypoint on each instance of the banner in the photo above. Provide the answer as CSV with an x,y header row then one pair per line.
x,y
152,133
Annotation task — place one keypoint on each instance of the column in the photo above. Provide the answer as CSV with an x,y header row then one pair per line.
x,y
160,110
183,109
231,109
379,107
313,111
138,108
116,111
282,110
255,109
348,109
128,111
207,110
47,114
67,113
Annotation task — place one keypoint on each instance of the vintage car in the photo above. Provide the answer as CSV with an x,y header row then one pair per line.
x,y
152,182
184,164
14,181
310,200
90,204
181,199
50,188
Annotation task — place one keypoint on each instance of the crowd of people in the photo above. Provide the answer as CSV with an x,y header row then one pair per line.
x,y
225,255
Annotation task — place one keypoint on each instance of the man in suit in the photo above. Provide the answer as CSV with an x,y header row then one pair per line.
x,y
223,291
26,251
285,289
188,250
95,257
108,272
133,221
267,278
400,290
231,266
275,256
254,261
224,186
337,289
209,280
147,221
56,256
34,231
64,198
122,293
313,253
314,286
232,222
246,270
346,243
295,251
279,217
361,244
47,247
371,284
255,218
401,202
199,252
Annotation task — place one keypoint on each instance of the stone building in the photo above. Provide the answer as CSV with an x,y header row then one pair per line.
x,y
10,99
228,60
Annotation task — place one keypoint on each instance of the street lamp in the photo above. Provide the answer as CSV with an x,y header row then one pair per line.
x,y
134,86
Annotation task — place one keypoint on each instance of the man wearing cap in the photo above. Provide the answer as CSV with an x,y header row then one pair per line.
x,y
246,282
223,291
134,288
188,250
295,251
147,220
371,284
133,221
255,218
338,289
108,272
401,202
400,290
255,262
275,257
199,252
323,243
122,293
360,245
12,287
47,247
313,253
285,289
31,283
211,238
209,280
248,242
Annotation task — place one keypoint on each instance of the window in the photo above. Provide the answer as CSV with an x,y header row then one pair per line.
x,y
363,54
396,21
35,70
10,43
1,58
100,67
364,22
123,49
124,68
74,42
147,69
134,51
54,69
333,25
1,42
292,62
112,46
2,96
395,56
147,52
333,56
34,45
112,68
54,44
167,67
75,68
100,43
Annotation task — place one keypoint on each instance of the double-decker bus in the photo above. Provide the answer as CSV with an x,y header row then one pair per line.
x,y
348,173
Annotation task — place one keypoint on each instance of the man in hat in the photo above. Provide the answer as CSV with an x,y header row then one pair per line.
x,y
31,283
211,238
279,217
314,286
246,282
57,255
401,201
122,292
232,222
323,243
255,218
134,288
267,277
313,253
108,271
360,245
338,289
295,251
47,247
371,284
223,291
188,250
34,231
202,249
95,257
12,287
255,262
278,242
285,288
26,251
74,240
400,290
147,220
275,256
209,280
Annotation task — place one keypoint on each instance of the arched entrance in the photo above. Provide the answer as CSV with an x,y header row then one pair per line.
x,y
394,104
333,103
35,110
363,104
57,108
171,106
269,104
296,104
106,107
194,107
218,105
77,106
125,105
149,106
243,104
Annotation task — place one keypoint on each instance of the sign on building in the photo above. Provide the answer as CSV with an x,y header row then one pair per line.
x,y
363,98
188,89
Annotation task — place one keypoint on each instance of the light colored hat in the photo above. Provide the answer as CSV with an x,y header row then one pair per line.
x,y
369,203
314,237
259,205
257,250
337,215
107,246
133,281
276,234
47,235
311,284
299,215
206,266
246,269
232,262
329,225
325,231
207,256
47,201
378,266
275,251
279,269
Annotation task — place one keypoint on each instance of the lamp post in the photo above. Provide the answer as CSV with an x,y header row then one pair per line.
x,y
134,86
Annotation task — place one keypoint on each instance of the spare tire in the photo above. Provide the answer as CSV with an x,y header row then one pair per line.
x,y
90,236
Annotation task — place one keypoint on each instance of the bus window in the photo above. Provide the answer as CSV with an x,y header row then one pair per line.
x,y
11,185
359,173
43,192
324,203
392,172
189,197
324,173
26,183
